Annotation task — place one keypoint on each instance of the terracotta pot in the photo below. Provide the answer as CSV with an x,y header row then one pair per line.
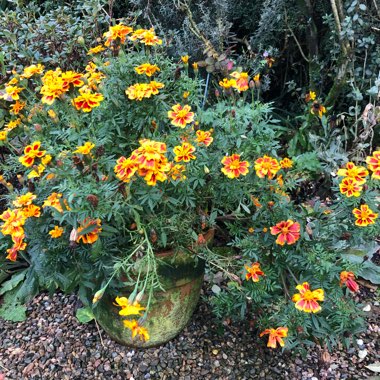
x,y
181,275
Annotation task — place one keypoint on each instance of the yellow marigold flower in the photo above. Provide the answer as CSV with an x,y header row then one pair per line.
x,y
253,272
12,82
184,152
181,115
12,124
186,94
241,80
52,114
364,216
310,96
85,149
32,211
87,101
138,91
317,109
46,159
53,86
56,232
275,336
307,300
266,166
117,33
358,173
31,152
195,66
12,93
24,200
185,59
256,78
137,330
373,163
89,237
286,163
3,135
95,50
154,86
17,107
204,137
350,187
233,167
54,200
71,77
251,230
127,307
14,221
176,172
147,69
149,38
32,70
227,83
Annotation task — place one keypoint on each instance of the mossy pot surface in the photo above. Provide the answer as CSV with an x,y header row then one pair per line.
x,y
170,311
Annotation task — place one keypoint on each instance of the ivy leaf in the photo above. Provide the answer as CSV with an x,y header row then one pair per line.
x,y
85,315
12,283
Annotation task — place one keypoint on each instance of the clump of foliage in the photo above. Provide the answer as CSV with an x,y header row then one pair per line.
x,y
115,163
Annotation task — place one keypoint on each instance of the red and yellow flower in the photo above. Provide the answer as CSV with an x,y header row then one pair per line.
x,y
31,152
275,336
12,93
181,115
242,80
92,236
204,137
147,69
233,167
373,163
364,216
358,173
286,163
136,329
184,152
307,300
227,83
117,33
176,172
125,168
95,50
266,166
350,187
86,101
55,200
24,200
348,278
17,107
288,232
317,109
32,70
253,272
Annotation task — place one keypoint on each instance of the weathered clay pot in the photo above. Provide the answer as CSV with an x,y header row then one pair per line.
x,y
181,276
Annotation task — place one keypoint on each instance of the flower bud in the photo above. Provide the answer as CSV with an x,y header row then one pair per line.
x,y
206,169
74,235
98,295
80,40
38,127
139,296
217,93
93,199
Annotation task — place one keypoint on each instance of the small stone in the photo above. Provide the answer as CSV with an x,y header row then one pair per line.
x,y
367,308
215,352
362,353
359,342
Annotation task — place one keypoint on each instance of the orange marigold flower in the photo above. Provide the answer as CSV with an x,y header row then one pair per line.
x,y
14,221
71,77
30,153
118,33
181,115
18,245
176,172
17,107
125,168
91,236
204,137
364,216
233,167
56,232
54,200
317,109
24,200
311,95
147,69
241,80
154,86
373,163
266,166
139,91
127,307
251,230
85,149
350,187
195,66
95,50
348,278
32,70
288,232
256,201
227,83
275,336
286,163
357,173
149,38
136,329
307,300
253,272
31,211
184,152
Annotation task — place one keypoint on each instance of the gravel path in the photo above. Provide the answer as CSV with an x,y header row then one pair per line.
x,y
52,344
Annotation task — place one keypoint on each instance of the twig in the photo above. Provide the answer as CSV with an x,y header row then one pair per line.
x,y
294,277
284,283
100,335
295,38
4,367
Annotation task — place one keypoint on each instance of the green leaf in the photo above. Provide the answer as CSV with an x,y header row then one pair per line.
x,y
13,313
12,283
85,315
